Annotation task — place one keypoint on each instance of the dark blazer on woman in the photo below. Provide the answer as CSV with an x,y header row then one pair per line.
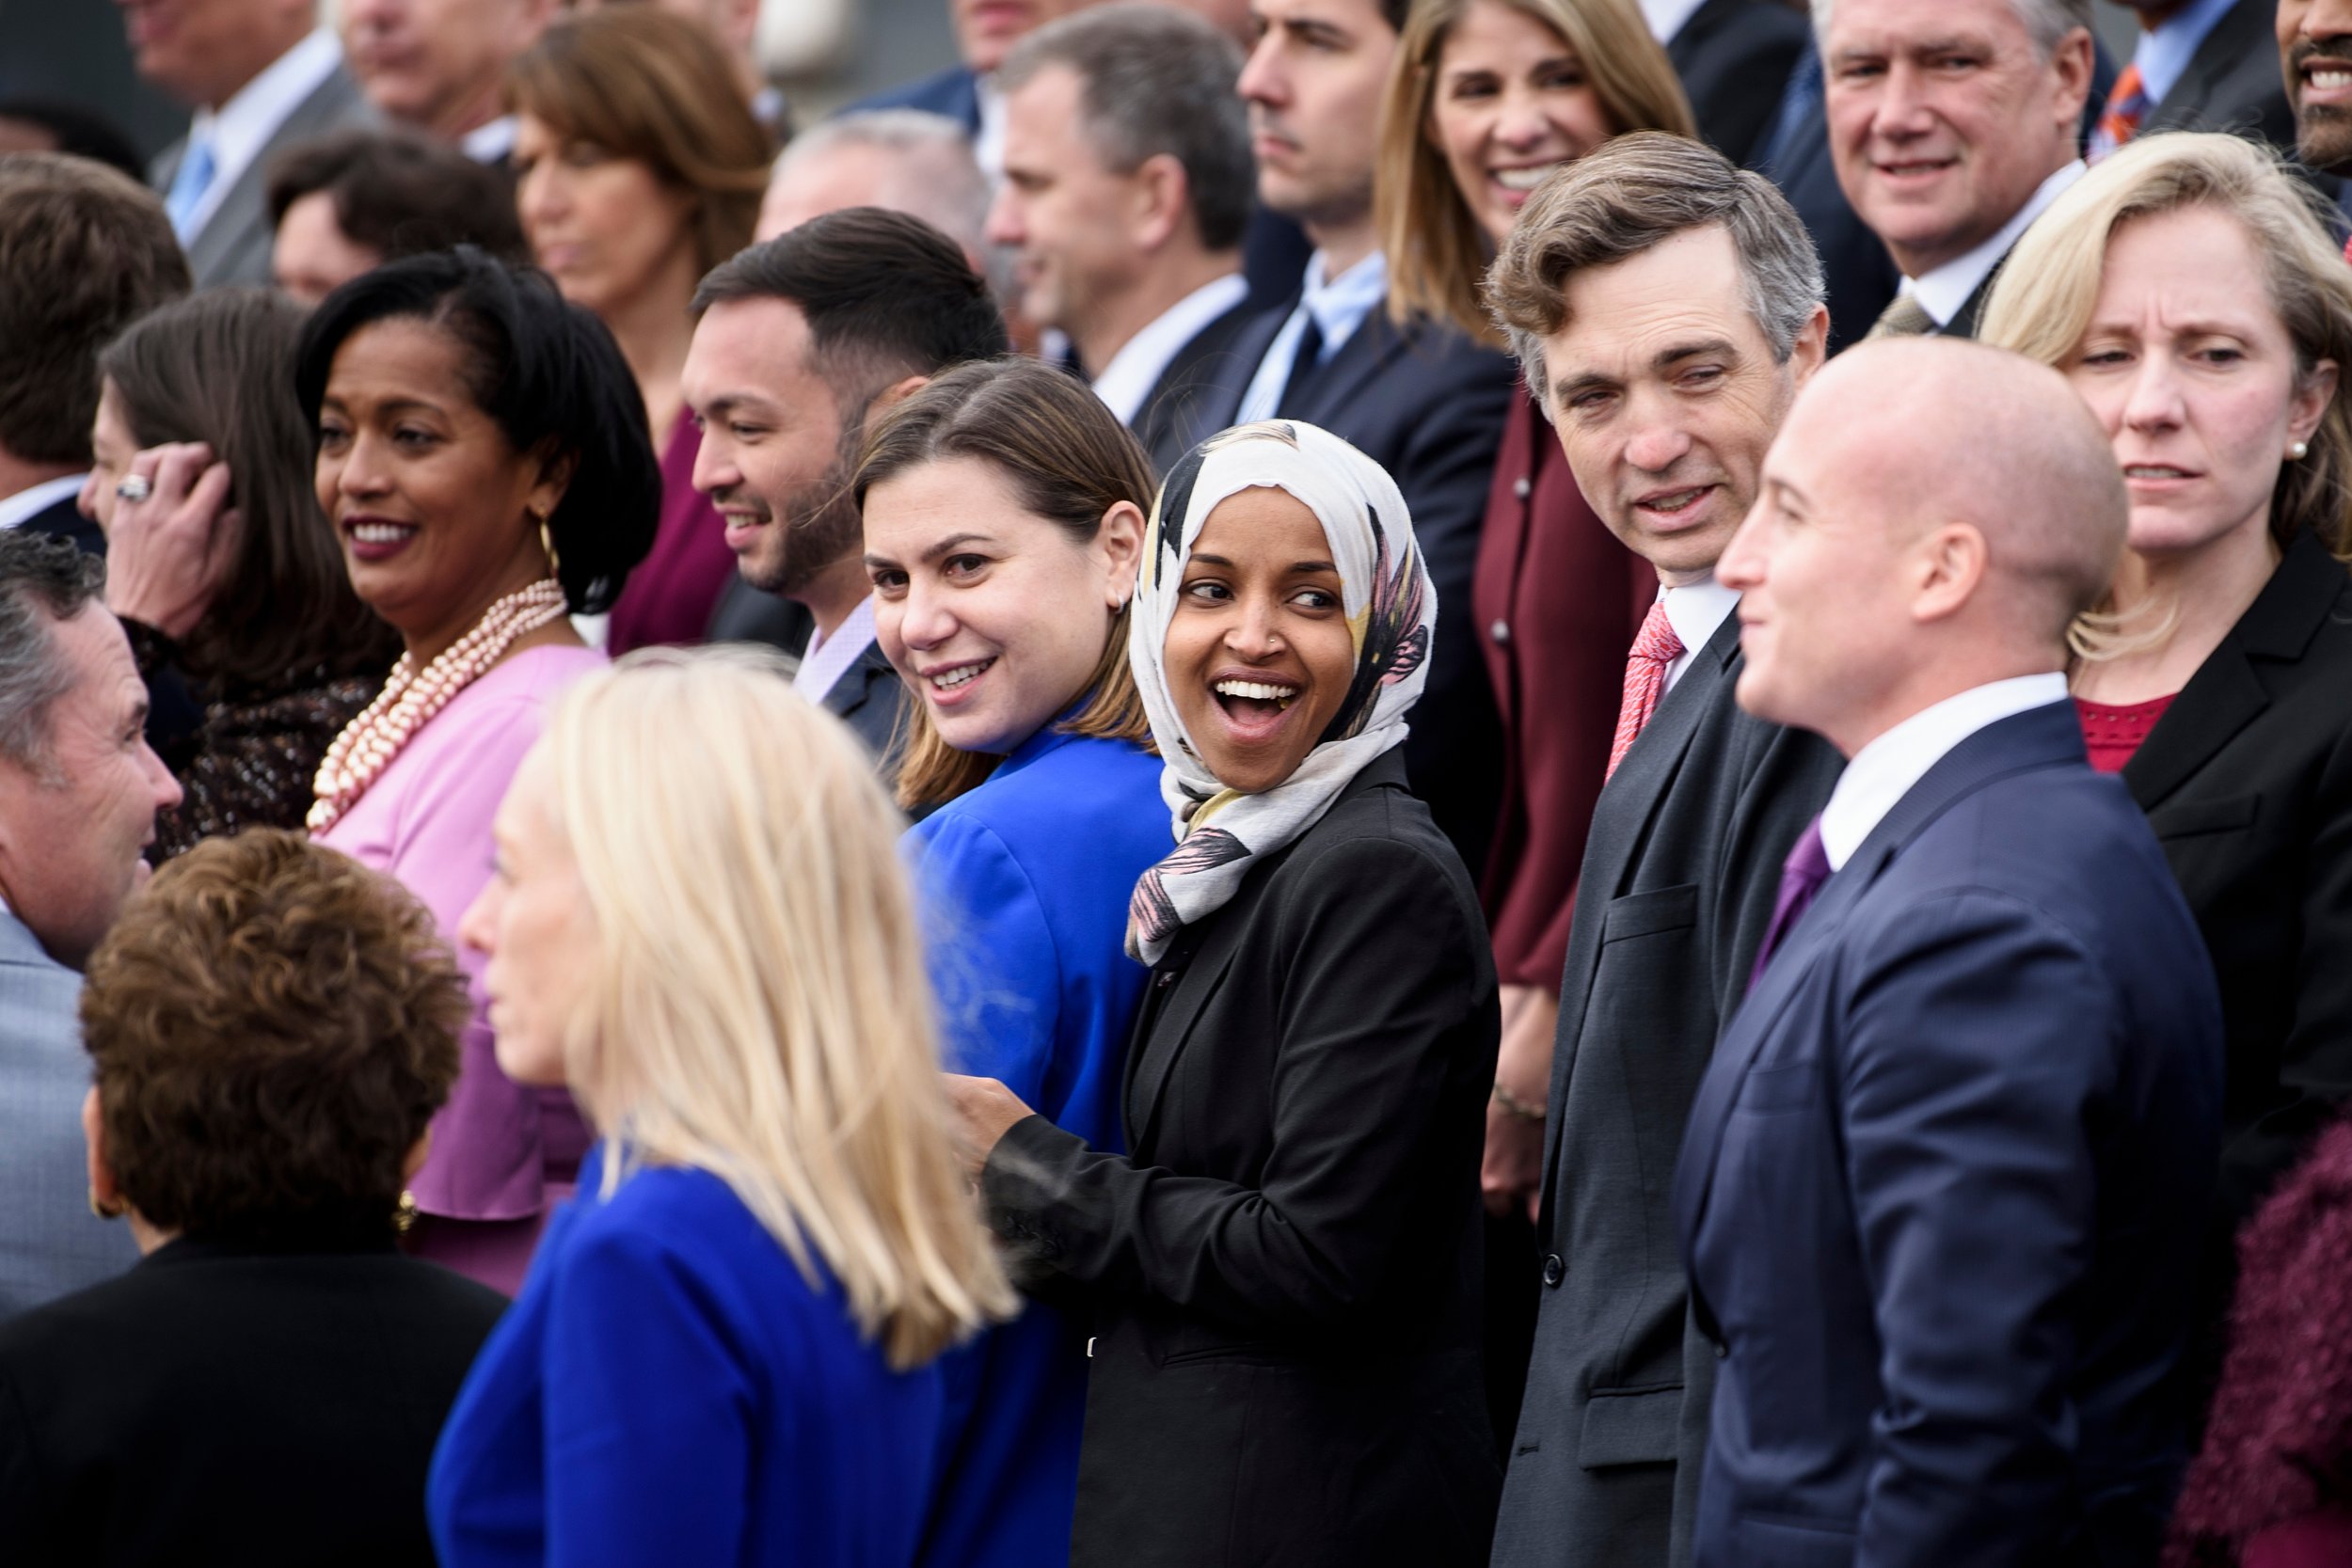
x,y
1283,1278
220,1404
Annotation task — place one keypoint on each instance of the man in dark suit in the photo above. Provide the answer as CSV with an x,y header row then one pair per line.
x,y
1665,308
1953,125
260,79
83,253
801,343
1734,57
1940,1189
2315,39
2200,65
1127,182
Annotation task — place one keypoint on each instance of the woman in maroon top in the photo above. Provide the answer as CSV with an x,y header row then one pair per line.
x,y
640,167
1488,96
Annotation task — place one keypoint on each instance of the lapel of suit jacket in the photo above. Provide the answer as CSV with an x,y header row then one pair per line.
x,y
1198,376
1217,410
2227,691
1367,352
2243,28
854,686
19,947
246,199
1162,1032
2039,737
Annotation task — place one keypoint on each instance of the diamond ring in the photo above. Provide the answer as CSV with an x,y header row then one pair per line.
x,y
135,488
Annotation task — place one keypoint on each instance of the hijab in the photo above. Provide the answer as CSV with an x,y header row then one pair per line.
x,y
1390,610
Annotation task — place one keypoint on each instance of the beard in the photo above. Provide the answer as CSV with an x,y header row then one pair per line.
x,y
813,530
2323,131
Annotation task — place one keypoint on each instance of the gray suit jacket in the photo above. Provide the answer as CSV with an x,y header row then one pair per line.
x,y
50,1243
2232,82
234,244
1676,887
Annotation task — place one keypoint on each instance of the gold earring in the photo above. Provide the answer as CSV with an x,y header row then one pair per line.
x,y
547,544
403,1213
2297,451
104,1208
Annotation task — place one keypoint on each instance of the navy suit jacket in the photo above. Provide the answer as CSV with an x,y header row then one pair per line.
x,y
1940,1191
64,520
954,92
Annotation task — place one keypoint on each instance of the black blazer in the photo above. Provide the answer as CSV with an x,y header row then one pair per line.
x,y
2232,82
1206,373
1734,57
867,697
1284,1277
222,1404
1679,876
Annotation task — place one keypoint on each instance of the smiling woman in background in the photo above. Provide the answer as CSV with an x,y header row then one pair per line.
x,y
1285,1267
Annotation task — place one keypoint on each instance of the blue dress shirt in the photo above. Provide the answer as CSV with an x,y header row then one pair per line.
x,y
1025,882
670,1388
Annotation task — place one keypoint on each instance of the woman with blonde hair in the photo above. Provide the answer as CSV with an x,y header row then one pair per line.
x,y
1488,96
639,167
723,1351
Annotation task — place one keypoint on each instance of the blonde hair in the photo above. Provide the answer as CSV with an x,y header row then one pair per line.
x,y
2042,306
759,1008
1437,251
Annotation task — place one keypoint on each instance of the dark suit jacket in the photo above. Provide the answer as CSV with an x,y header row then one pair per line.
x,y
1428,405
64,520
745,614
1734,57
2232,82
1680,870
233,246
954,92
1205,374
226,1404
1938,1192
867,697
1283,1278
1860,274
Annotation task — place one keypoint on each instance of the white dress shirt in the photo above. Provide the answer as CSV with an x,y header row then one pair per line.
x,y
1339,306
238,129
988,143
1696,612
1943,292
829,658
1139,363
1882,773
488,143
1667,17
41,498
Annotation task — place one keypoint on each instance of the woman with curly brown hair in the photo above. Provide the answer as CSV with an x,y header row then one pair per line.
x,y
271,1026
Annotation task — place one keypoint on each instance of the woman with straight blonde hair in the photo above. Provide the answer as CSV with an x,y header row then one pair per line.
x,y
698,924
2187,287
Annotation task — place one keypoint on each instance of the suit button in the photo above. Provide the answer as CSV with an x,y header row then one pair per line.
x,y
1555,1270
1520,487
1499,631
1723,1351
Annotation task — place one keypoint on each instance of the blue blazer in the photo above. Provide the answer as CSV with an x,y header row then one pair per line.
x,y
670,1388
1026,882
1941,1189
954,92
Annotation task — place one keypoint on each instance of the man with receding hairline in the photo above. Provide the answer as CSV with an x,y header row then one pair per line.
x,y
1939,1188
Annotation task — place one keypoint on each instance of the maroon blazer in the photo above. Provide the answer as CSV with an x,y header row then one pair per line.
x,y
1557,601
670,594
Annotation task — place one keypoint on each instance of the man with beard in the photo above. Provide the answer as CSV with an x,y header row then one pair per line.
x,y
801,345
2316,53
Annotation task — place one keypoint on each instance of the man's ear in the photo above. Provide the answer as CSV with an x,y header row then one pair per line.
x,y
890,396
1949,566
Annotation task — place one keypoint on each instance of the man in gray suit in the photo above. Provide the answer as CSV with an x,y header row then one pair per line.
x,y
79,790
1665,308
2203,65
261,77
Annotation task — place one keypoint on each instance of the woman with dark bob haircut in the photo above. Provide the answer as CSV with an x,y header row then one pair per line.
x,y
225,568
272,1027
483,458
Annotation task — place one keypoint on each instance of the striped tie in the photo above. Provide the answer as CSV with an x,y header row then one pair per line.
x,y
1905,318
2127,106
1654,647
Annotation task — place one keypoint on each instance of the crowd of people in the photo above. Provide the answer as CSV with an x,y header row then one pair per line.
x,y
1315,782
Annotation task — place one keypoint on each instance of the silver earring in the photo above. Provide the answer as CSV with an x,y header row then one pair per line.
x,y
2297,451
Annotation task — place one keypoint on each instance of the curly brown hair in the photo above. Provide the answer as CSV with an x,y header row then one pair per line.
x,y
271,1026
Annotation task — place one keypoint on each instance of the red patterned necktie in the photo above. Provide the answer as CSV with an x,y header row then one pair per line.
x,y
2127,106
1655,647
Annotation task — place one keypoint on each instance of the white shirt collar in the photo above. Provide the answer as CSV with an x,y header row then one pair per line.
x,y
238,129
988,143
829,658
1882,773
1137,366
1340,305
487,144
26,505
1943,292
1696,613
1667,17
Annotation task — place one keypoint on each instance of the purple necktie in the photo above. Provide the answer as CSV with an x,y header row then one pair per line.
x,y
1801,877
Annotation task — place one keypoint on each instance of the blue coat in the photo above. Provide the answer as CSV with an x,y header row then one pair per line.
x,y
1026,882
1941,1189
670,1388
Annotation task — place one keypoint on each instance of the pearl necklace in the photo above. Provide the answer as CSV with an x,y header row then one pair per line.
x,y
412,697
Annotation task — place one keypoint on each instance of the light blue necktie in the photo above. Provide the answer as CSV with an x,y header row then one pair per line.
x,y
189,182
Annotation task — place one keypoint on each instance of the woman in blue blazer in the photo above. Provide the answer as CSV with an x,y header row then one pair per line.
x,y
1004,508
725,1352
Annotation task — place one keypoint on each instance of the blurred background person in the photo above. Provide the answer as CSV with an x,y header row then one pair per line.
x,y
482,459
1488,96
271,1026
2212,676
1003,510
641,169
1128,184
83,253
2198,65
801,343
31,123
439,67
734,25
79,790
1283,1270
227,569
901,160
347,203
1734,57
261,77
966,92
725,1351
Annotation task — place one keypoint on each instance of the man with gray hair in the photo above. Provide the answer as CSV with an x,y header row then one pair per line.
x,y
1665,308
906,161
79,790
1128,184
1953,125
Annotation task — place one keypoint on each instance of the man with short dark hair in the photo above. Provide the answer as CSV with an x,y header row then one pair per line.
x,y
801,343
79,790
348,203
2316,55
83,253
1128,183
